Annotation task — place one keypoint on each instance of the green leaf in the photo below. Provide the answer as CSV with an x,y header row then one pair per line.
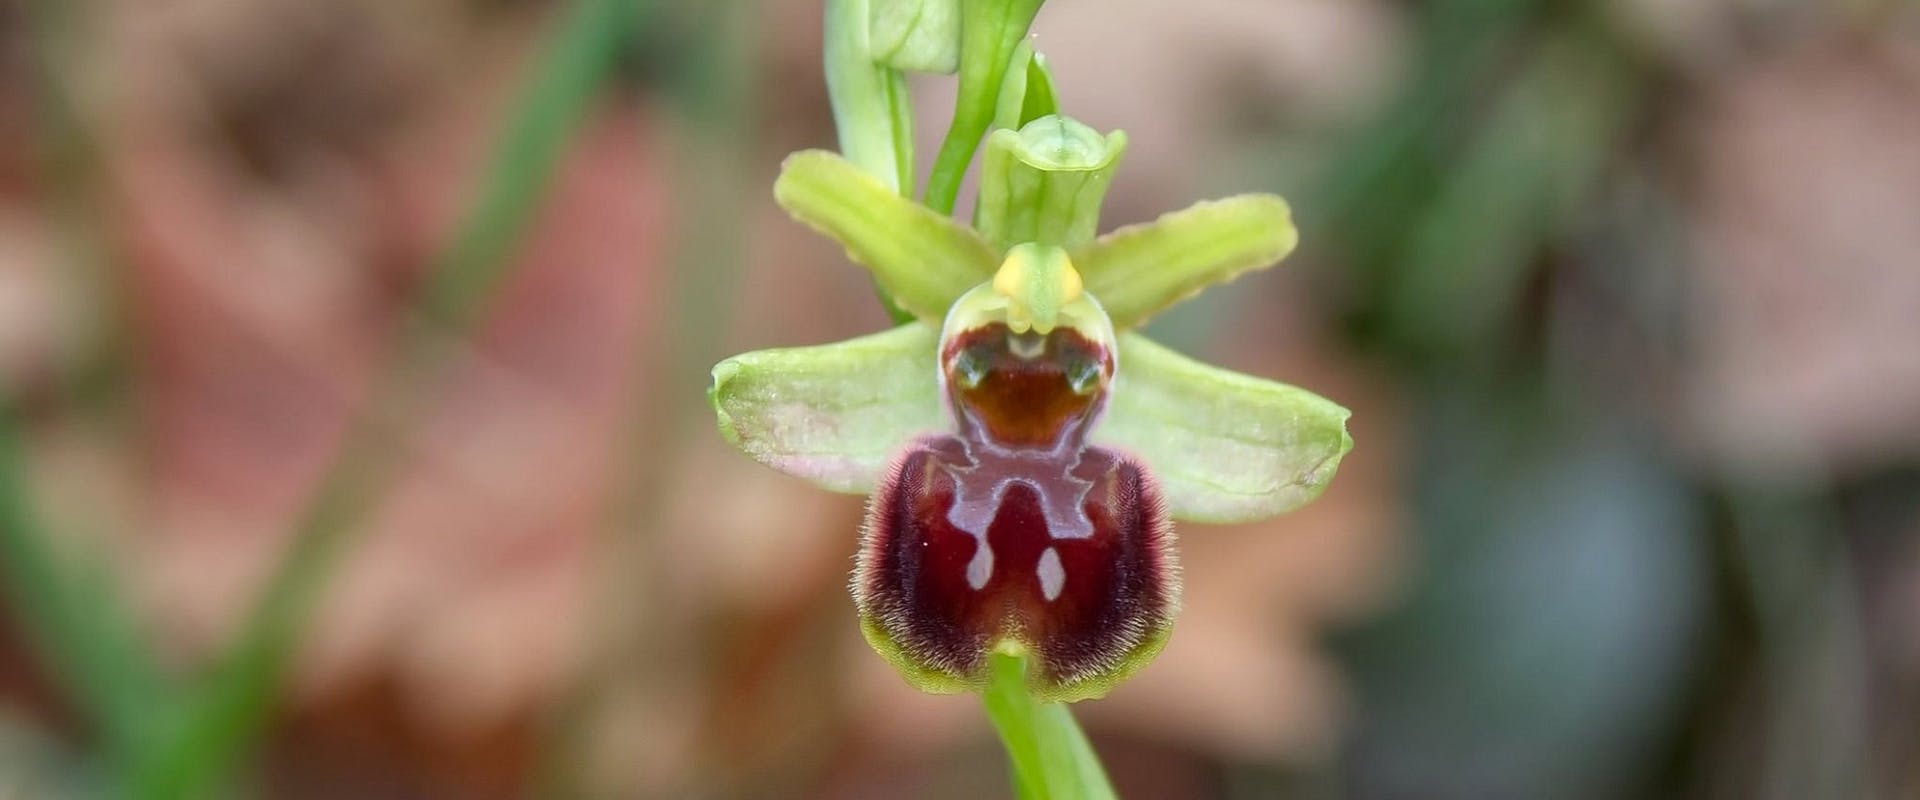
x,y
1045,182
833,414
1226,447
1139,270
922,259
916,35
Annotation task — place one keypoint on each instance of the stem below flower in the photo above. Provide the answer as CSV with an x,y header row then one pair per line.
x,y
1052,759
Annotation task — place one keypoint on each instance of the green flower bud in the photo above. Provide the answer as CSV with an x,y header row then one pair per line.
x,y
1044,183
915,35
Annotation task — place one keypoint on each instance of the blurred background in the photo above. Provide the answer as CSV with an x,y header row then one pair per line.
x,y
352,359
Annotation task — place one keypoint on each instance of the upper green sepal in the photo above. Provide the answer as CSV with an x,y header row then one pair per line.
x,y
833,414
1227,447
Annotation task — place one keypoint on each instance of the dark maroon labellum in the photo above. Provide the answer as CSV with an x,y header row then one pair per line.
x,y
1013,530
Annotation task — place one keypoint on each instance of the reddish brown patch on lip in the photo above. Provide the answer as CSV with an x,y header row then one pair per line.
x,y
1023,401
1114,599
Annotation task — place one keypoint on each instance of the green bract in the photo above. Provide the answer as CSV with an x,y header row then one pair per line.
x,y
1227,447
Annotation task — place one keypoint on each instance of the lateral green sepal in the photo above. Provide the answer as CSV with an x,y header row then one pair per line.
x,y
1227,447
832,414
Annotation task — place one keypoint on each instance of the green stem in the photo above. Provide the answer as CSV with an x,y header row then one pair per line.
x,y
990,31
78,626
1052,759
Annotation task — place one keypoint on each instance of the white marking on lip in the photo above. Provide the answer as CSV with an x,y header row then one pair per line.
x,y
1053,575
981,567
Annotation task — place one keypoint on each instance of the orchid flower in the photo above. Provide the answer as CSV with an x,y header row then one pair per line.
x,y
1025,450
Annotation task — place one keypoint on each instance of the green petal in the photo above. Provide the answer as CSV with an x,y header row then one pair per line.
x,y
1139,270
922,259
1227,447
833,414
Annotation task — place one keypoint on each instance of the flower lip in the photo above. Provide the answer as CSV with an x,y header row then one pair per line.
x,y
936,597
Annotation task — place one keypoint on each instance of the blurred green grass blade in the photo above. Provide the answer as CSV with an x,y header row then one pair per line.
x,y
71,612
1051,757
1542,148
236,701
584,51
75,621
713,85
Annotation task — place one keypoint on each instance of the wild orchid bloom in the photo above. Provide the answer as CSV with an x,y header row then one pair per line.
x,y
1024,450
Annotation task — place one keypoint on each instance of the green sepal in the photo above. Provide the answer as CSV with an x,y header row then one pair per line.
x,y
1045,182
916,35
1226,447
833,414
1139,270
923,260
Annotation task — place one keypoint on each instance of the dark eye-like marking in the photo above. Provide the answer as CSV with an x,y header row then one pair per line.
x,y
969,367
1083,375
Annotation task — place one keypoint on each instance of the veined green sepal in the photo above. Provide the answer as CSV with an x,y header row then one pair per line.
x,y
833,414
1227,447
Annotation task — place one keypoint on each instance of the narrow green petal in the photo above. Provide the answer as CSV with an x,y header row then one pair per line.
x,y
1139,270
833,414
1227,447
922,259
